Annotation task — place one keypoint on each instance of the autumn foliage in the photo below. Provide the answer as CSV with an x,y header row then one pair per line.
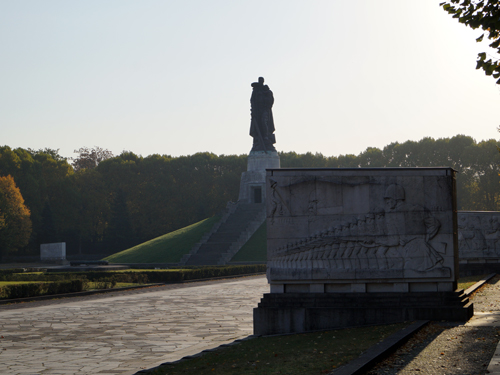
x,y
15,223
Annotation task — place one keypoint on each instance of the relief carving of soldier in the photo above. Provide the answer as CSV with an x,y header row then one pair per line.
x,y
415,250
379,240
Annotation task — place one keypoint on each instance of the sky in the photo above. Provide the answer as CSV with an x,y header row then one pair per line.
x,y
173,77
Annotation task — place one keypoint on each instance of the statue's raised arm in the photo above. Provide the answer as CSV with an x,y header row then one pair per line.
x,y
262,123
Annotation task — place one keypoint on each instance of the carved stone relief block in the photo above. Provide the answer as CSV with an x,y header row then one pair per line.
x,y
362,224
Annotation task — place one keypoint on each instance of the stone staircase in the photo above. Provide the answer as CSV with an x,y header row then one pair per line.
x,y
237,225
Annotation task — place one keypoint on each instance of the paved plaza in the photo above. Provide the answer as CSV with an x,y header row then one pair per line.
x,y
122,333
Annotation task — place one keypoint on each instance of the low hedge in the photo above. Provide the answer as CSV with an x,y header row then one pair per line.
x,y
105,283
10,271
144,276
39,289
41,277
169,275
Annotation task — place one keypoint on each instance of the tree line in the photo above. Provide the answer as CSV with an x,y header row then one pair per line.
x,y
108,204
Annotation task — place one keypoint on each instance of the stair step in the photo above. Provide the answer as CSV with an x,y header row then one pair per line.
x,y
219,243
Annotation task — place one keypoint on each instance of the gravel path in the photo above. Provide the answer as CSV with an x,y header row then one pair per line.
x,y
449,348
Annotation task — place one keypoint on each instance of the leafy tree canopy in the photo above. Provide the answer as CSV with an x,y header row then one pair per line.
x,y
130,198
15,223
48,151
89,158
484,14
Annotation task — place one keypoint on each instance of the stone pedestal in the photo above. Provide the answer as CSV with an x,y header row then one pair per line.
x,y
280,313
253,181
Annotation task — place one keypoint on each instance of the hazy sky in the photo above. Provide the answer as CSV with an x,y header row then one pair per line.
x,y
173,77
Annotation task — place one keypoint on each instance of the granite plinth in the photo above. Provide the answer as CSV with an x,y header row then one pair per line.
x,y
280,313
253,181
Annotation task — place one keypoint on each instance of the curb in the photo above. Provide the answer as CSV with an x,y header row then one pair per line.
x,y
355,367
376,352
188,357
102,291
479,284
75,294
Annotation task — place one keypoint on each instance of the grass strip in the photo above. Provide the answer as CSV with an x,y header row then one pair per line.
x,y
307,353
168,248
466,282
255,249
2,283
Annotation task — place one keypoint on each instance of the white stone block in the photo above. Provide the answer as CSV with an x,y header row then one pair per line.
x,y
53,251
317,288
277,288
358,288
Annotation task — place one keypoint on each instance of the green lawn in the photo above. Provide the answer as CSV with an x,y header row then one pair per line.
x,y
466,282
256,247
168,248
308,353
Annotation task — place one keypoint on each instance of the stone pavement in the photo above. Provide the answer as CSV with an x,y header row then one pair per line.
x,y
487,314
125,332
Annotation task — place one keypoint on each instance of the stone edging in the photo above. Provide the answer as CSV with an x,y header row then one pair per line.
x,y
75,294
479,284
101,291
147,371
374,354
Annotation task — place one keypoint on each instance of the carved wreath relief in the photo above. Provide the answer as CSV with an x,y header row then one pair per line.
x,y
396,235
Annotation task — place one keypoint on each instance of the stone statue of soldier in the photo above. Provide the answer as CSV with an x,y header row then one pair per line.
x,y
262,124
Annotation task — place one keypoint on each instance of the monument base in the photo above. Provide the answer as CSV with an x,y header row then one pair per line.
x,y
280,313
253,181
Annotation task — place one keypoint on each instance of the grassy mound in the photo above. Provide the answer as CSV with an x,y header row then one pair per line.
x,y
168,248
255,250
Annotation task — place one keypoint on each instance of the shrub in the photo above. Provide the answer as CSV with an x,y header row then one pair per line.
x,y
105,283
38,289
67,282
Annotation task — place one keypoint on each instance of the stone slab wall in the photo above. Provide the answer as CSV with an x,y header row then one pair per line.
x,y
53,251
479,236
361,230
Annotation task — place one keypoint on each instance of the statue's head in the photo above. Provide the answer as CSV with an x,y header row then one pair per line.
x,y
261,80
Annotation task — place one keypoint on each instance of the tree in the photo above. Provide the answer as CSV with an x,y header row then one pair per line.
x,y
89,158
54,153
15,223
484,14
120,235
48,233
